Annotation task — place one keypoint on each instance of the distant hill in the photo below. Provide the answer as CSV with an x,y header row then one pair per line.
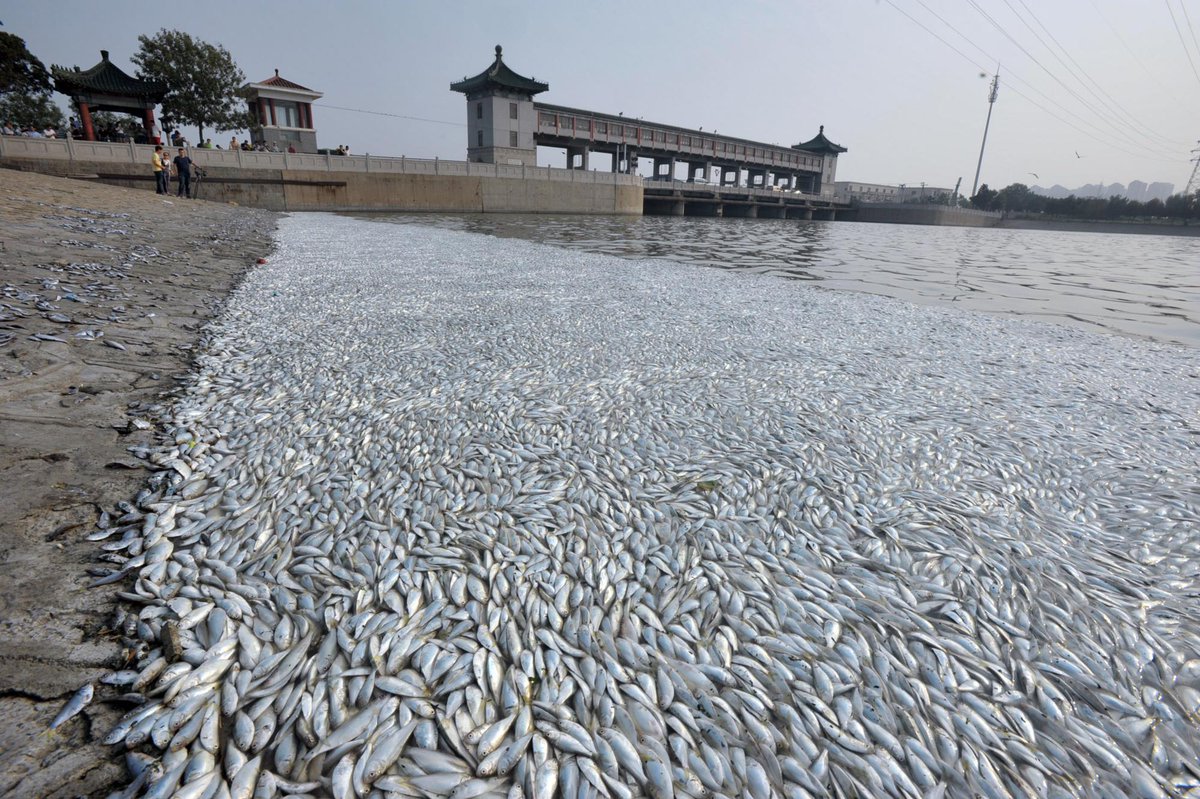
x,y
1137,190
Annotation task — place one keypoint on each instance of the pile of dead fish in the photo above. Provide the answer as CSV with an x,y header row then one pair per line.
x,y
445,515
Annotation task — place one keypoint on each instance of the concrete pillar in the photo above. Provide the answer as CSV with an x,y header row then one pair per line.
x,y
582,153
808,213
752,212
677,208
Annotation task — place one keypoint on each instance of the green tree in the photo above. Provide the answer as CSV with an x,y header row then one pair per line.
x,y
984,199
20,70
123,125
203,83
31,110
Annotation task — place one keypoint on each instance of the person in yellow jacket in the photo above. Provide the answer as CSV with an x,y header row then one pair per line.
x,y
161,165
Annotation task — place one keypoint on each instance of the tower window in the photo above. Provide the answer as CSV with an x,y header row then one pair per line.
x,y
479,110
479,138
512,110
512,138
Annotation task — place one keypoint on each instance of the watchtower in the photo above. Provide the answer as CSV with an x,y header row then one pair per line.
x,y
500,115
282,112
819,145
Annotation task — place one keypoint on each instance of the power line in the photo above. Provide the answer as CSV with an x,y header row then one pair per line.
x,y
1128,49
397,116
1186,51
1058,80
1092,135
1108,100
1187,18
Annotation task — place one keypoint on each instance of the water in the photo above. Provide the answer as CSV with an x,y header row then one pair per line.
x,y
1136,285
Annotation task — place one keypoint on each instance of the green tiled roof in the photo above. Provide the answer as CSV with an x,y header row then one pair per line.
x,y
820,144
499,76
106,78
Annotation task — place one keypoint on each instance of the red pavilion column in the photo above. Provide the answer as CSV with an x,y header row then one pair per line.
x,y
85,119
148,125
271,106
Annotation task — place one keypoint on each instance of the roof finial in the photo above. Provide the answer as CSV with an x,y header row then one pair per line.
x,y
104,54
821,132
499,50
277,72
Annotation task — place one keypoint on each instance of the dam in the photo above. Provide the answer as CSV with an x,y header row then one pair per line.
x,y
695,172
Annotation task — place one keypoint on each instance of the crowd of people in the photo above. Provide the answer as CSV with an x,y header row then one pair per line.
x,y
12,129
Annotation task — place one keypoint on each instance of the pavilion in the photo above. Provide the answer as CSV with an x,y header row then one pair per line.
x,y
105,87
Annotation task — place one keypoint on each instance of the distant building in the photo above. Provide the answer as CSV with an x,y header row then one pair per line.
x,y
500,116
283,113
851,191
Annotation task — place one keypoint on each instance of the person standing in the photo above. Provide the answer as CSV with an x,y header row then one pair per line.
x,y
233,143
183,174
159,161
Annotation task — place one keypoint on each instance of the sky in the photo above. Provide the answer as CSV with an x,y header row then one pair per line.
x,y
1090,90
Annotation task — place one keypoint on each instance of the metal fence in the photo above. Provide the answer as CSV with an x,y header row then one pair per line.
x,y
129,153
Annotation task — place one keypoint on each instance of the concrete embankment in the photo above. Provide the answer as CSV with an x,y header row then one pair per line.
x,y
909,214
1144,228
324,190
121,282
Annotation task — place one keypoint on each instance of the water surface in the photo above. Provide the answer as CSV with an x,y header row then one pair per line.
x,y
1137,285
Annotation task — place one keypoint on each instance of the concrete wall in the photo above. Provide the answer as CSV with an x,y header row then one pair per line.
x,y
286,182
920,215
306,190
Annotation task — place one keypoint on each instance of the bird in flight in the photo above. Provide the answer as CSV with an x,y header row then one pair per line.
x,y
1077,155
1035,174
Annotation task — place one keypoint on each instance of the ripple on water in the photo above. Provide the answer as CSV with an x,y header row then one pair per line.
x,y
1097,281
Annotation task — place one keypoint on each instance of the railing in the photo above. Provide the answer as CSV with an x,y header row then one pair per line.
x,y
87,151
602,129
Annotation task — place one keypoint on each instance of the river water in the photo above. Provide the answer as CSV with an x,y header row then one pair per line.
x,y
1136,285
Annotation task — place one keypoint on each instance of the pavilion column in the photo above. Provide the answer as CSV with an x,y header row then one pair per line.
x,y
148,125
85,119
271,106
308,113
262,111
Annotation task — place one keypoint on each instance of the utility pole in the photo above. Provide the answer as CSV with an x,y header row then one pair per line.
x,y
1193,185
954,197
991,102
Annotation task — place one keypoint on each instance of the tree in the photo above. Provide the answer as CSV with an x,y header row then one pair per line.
x,y
203,82
31,110
20,70
984,199
123,126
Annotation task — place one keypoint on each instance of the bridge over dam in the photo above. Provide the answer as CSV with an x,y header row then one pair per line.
x,y
694,171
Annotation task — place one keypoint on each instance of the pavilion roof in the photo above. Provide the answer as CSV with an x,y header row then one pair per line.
x,y
106,78
820,144
499,76
283,83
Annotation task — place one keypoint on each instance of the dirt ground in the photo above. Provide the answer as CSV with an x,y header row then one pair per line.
x,y
122,282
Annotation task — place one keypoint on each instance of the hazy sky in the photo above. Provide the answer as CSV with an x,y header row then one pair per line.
x,y
1090,90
